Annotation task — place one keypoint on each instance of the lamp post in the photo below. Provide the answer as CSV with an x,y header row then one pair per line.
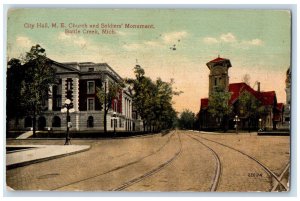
x,y
236,120
260,121
68,107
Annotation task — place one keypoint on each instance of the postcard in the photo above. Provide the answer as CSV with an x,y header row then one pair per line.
x,y
148,100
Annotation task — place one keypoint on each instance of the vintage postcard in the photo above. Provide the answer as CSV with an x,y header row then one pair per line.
x,y
166,100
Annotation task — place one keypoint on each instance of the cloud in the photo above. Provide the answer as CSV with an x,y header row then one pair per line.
x,y
63,36
132,46
254,42
152,43
173,37
167,38
74,39
23,41
210,40
228,38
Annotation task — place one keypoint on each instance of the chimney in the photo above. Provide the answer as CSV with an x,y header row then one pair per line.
x,y
258,86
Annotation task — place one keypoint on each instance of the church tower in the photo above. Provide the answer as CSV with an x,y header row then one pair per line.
x,y
218,77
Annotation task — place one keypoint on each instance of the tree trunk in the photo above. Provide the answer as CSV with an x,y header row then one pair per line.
x,y
34,121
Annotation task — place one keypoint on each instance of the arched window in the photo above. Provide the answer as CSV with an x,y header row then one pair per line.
x,y
90,122
41,123
28,122
56,122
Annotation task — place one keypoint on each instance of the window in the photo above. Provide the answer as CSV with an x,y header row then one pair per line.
x,y
111,123
58,102
115,105
120,123
91,69
215,81
91,87
90,104
58,87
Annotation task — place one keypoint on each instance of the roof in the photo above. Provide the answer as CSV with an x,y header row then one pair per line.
x,y
204,103
218,60
267,98
237,88
279,107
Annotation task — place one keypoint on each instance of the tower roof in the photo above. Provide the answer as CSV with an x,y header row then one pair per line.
x,y
219,61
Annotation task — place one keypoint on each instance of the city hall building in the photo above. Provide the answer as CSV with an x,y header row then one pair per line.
x,y
78,82
271,118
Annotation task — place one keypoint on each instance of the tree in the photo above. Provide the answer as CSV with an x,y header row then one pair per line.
x,y
107,95
246,79
186,119
33,85
153,100
218,106
250,107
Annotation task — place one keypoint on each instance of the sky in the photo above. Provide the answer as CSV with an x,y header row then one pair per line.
x,y
257,42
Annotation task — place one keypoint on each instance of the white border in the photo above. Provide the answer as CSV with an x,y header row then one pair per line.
x,y
161,4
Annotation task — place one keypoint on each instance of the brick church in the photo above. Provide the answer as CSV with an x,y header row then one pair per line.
x,y
271,118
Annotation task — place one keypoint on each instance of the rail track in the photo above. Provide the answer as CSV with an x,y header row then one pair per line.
x,y
135,180
151,172
218,170
266,169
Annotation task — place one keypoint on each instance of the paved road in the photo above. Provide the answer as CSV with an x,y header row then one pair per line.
x,y
178,161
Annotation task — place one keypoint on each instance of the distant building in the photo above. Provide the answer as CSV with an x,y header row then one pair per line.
x,y
218,78
78,82
287,107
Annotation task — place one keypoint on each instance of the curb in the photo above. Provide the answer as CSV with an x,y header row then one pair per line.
x,y
21,164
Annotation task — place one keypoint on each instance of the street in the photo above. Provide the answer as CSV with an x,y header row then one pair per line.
x,y
177,161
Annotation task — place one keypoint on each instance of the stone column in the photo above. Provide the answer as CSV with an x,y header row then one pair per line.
x,y
76,94
50,99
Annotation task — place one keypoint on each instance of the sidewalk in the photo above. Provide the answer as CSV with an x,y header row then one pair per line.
x,y
231,132
26,135
28,154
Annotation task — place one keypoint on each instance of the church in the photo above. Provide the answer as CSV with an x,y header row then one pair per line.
x,y
271,117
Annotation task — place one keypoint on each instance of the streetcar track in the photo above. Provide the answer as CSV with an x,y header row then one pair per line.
x,y
151,172
118,167
218,170
280,178
267,170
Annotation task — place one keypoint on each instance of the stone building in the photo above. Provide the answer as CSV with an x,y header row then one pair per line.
x,y
219,79
78,82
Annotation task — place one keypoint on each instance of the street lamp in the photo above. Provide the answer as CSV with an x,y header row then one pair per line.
x,y
260,121
68,107
236,120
